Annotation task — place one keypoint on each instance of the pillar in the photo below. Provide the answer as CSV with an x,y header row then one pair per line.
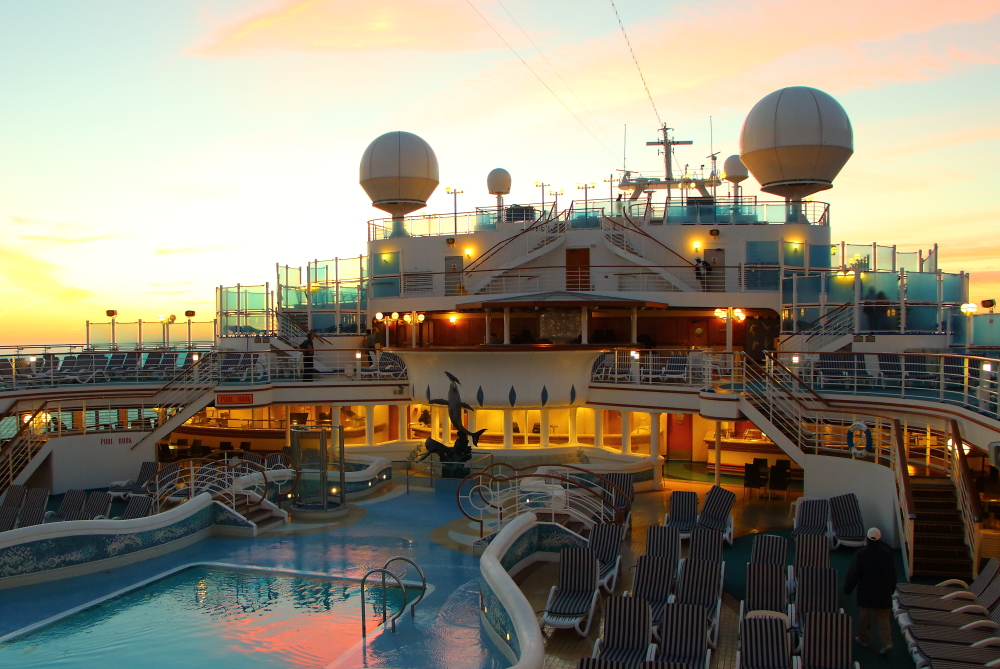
x,y
599,428
436,423
634,335
506,326
583,325
729,331
288,428
334,416
654,450
543,429
626,432
718,452
572,426
489,340
472,420
369,425
404,421
413,333
508,427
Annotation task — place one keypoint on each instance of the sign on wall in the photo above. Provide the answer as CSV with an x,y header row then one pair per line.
x,y
224,400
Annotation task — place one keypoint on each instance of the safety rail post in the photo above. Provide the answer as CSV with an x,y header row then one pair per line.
x,y
383,571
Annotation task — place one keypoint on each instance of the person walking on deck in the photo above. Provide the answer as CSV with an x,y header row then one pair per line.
x,y
873,573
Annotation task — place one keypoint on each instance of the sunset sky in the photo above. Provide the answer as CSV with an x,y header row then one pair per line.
x,y
150,151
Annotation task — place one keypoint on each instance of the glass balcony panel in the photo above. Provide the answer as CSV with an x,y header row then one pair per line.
x,y
385,287
762,253
839,288
985,330
795,254
909,261
788,290
385,264
880,318
808,289
805,316
99,334
127,334
349,324
324,322
953,288
884,259
921,287
486,220
879,287
152,334
921,319
761,279
202,332
820,255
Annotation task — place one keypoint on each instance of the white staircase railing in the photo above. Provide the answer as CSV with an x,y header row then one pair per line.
x,y
648,252
529,243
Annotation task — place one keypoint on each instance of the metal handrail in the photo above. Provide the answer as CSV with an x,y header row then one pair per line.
x,y
968,498
383,571
904,489
423,579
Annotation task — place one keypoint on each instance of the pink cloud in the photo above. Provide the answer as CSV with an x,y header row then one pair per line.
x,y
338,25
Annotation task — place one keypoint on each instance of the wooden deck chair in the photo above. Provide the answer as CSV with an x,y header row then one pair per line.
x,y
37,498
846,522
716,512
8,517
654,576
827,642
628,632
31,515
15,496
683,514
767,593
97,506
700,584
606,542
571,604
684,634
764,644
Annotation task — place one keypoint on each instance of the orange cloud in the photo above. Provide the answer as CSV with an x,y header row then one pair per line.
x,y
339,25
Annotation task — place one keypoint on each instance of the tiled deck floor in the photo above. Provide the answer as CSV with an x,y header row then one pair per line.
x,y
565,647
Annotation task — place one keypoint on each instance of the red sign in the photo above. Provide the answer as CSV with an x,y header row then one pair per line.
x,y
234,399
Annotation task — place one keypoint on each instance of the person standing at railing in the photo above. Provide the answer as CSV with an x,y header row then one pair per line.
x,y
873,573
699,272
308,349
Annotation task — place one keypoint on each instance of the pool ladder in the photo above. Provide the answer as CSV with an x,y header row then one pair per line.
x,y
384,571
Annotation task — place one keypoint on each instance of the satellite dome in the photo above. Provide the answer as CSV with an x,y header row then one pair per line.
x,y
735,170
399,171
795,141
498,182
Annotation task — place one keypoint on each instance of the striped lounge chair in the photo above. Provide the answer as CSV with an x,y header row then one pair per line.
x,y
812,516
962,613
826,641
683,513
769,549
654,576
845,519
628,632
984,653
15,496
716,512
706,545
594,663
947,602
684,634
817,592
146,472
986,576
31,515
37,498
968,634
8,517
71,502
665,542
700,584
810,551
571,604
606,542
767,593
764,644
97,506
137,507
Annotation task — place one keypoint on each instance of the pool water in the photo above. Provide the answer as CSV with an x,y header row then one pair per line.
x,y
209,617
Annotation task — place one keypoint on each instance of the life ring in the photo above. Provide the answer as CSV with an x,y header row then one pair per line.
x,y
866,444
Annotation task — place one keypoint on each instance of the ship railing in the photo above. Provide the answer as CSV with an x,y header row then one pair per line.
x,y
728,211
968,497
665,367
508,217
907,506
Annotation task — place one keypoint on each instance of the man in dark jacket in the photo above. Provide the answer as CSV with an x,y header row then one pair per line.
x,y
873,573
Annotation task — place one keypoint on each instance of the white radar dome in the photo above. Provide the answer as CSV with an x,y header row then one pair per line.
x,y
735,170
399,171
795,141
498,181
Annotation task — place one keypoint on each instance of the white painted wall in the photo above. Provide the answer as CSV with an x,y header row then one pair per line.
x,y
85,461
873,484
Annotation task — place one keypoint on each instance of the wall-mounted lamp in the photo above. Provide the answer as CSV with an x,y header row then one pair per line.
x,y
420,318
987,367
407,318
468,253
795,359
697,246
379,316
395,315
453,319
969,308
357,356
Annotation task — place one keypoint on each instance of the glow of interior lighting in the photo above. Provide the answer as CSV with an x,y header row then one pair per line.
x,y
739,314
333,491
697,246
357,356
987,367
31,358
635,354
468,253
795,359
407,318
379,316
194,357
420,318
453,319
721,313
969,308
395,315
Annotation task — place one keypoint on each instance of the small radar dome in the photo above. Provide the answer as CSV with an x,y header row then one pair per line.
x,y
795,141
735,170
498,182
399,171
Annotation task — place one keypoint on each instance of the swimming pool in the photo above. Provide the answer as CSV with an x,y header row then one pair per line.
x,y
208,616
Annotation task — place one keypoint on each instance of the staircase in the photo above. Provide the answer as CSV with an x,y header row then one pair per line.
x,y
637,247
262,516
939,532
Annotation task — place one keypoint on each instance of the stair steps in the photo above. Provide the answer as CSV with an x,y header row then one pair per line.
x,y
261,516
939,532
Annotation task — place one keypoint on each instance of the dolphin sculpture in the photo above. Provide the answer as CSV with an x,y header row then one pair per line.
x,y
455,406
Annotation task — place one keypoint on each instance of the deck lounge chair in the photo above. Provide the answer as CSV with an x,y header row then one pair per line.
x,y
946,602
716,512
15,496
810,551
606,542
654,576
137,507
31,515
982,653
833,370
769,549
767,593
966,634
685,637
700,584
71,502
37,498
664,542
571,604
618,492
764,644
8,517
817,591
986,576
146,471
595,663
845,519
706,545
628,632
97,507
683,514
963,612
812,516
827,642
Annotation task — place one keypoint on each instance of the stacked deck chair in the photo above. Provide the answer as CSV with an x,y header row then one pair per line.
x,y
817,593
685,638
962,614
716,512
652,581
769,549
683,513
606,542
986,576
812,516
845,519
827,642
138,486
810,551
665,542
947,602
985,653
968,634
137,507
628,632
706,545
700,584
71,502
98,506
767,593
571,604
764,644
594,663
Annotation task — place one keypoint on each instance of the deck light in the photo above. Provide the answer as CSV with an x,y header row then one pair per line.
x,y
468,253
357,356
721,313
32,358
697,246
333,491
987,367
969,308
795,359
635,355
453,319
379,316
739,314
395,315
420,318
407,318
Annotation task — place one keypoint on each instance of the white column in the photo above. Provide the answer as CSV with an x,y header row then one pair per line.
x,y
436,422
729,331
369,425
654,449
718,452
403,418
626,432
543,429
487,338
572,426
508,428
472,420
583,325
599,428
413,329
634,337
334,416
506,326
